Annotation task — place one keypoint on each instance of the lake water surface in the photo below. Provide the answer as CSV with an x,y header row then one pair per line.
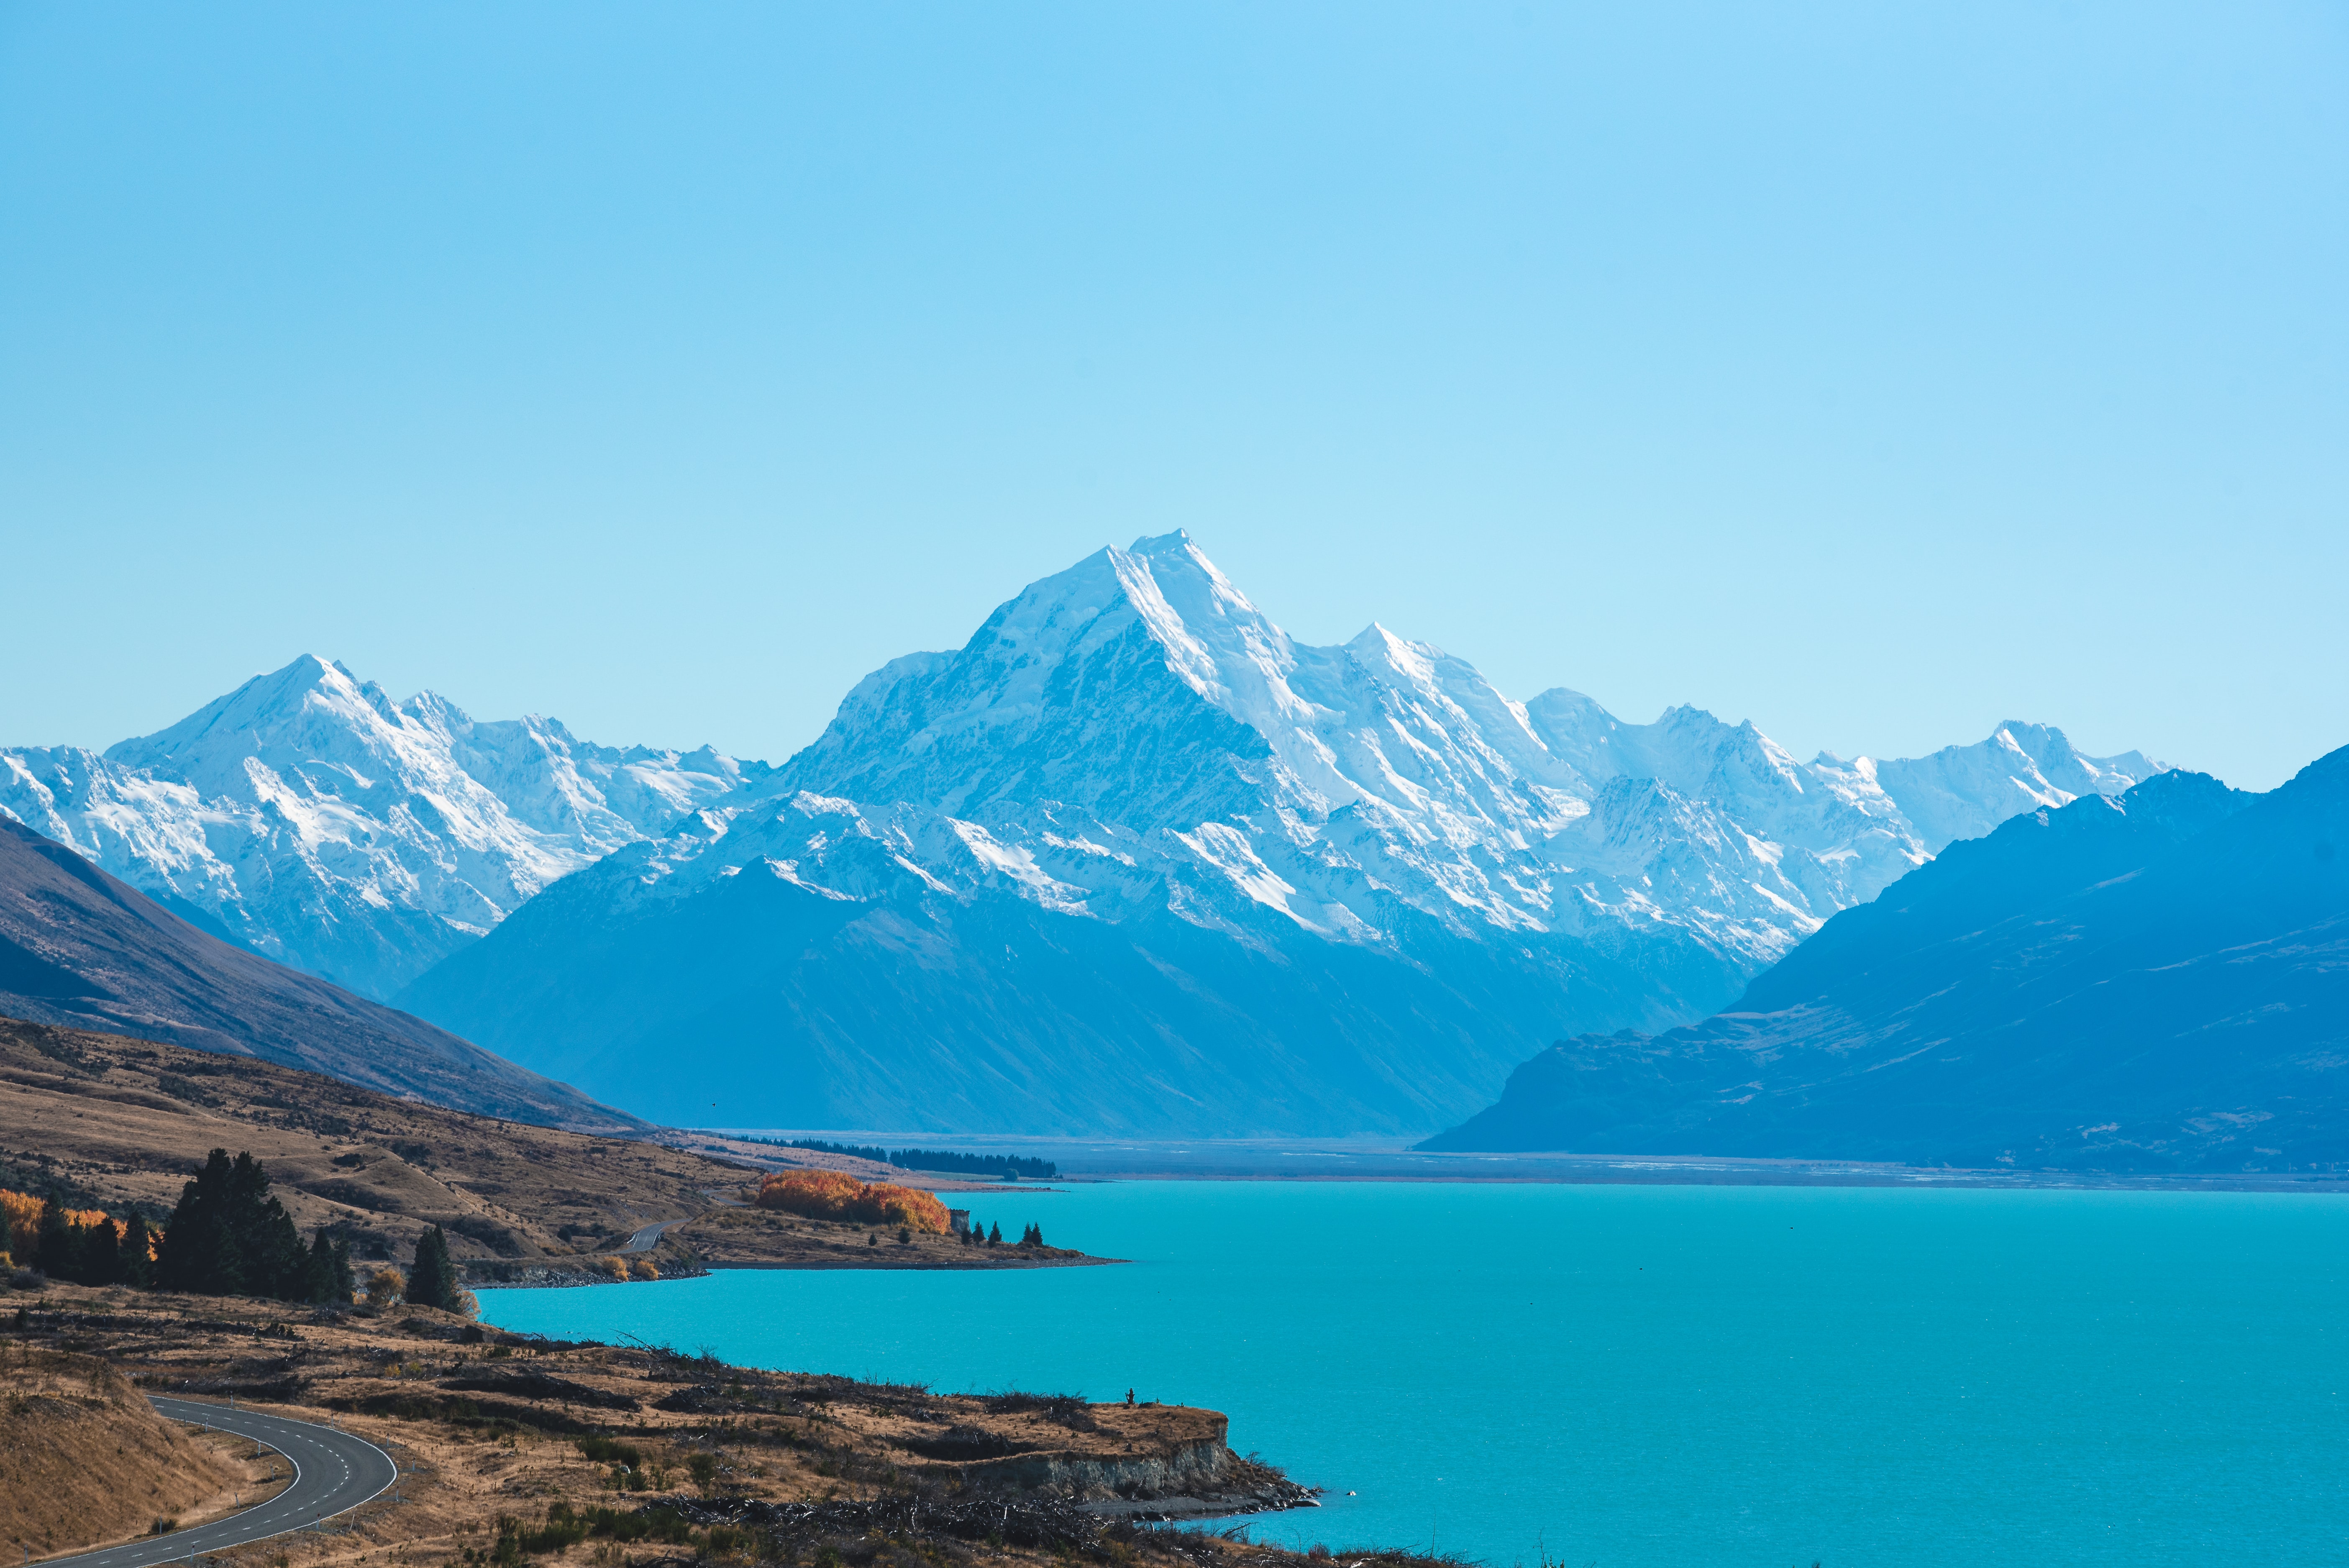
x,y
1653,1376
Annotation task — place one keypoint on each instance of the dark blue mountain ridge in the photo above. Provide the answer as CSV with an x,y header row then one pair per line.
x,y
82,949
2155,982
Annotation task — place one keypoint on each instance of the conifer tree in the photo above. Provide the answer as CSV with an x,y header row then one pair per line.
x,y
229,1237
137,1242
332,1283
100,1263
433,1282
263,1233
994,1235
195,1255
321,1278
57,1256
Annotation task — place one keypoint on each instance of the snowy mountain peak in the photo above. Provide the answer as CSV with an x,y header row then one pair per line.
x,y
1377,782
309,816
1963,792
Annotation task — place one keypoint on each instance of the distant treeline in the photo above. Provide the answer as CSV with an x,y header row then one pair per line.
x,y
974,1164
854,1150
1015,1167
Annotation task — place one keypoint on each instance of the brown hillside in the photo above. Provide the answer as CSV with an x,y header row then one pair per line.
x,y
130,1120
83,950
84,1460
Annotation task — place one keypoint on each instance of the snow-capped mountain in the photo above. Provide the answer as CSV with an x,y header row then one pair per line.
x,y
310,819
1137,708
1131,760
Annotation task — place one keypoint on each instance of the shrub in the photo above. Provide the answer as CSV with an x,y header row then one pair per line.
x,y
610,1451
644,1268
835,1195
386,1286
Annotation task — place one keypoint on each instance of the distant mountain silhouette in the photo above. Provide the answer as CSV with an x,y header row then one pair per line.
x,y
82,949
2155,982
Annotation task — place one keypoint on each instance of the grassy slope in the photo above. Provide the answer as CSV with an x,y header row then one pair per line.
x,y
129,1120
494,1423
84,1460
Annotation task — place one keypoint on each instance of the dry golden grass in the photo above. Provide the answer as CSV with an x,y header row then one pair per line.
x,y
500,1429
132,1120
85,1460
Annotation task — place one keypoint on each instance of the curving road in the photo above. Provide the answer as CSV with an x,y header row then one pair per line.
x,y
333,1472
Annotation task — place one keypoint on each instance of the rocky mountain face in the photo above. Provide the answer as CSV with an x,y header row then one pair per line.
x,y
82,949
308,817
2153,982
1132,858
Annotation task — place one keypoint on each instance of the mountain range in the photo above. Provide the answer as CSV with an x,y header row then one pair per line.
x,y
308,817
1133,859
2155,982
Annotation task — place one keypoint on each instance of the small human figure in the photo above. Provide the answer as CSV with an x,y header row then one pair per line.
x,y
1129,1395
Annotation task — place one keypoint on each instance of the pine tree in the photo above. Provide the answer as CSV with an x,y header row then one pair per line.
x,y
59,1245
321,1278
101,1253
994,1235
263,1235
137,1242
196,1255
433,1282
229,1237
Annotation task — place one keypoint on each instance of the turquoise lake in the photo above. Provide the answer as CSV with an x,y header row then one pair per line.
x,y
1651,1375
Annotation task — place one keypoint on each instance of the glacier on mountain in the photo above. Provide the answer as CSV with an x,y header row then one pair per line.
x,y
1140,700
308,817
1313,887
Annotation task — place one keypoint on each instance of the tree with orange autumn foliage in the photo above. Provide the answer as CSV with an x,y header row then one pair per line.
x,y
836,1195
20,1223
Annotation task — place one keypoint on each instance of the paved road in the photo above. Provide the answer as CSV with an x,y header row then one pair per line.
x,y
646,1239
333,1471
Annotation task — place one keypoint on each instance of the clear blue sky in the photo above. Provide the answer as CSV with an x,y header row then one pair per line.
x,y
1876,373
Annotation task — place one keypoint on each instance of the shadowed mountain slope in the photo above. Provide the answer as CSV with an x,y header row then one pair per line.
x,y
80,948
2156,982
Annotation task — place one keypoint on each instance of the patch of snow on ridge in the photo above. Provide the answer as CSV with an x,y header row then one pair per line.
x,y
1228,849
1019,864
